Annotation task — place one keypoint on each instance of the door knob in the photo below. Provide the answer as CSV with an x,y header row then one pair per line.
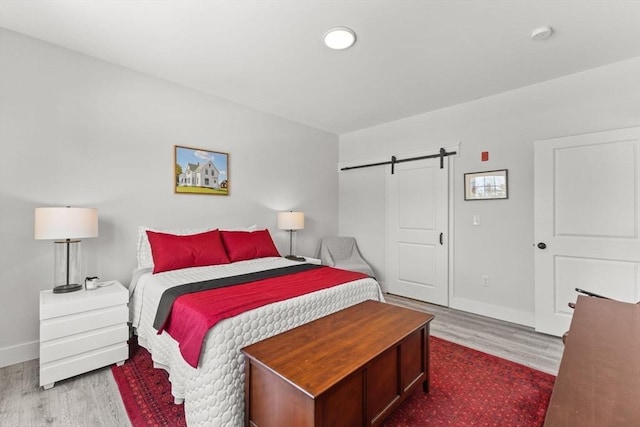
x,y
542,245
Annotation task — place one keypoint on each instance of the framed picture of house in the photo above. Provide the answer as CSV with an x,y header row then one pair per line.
x,y
487,185
199,171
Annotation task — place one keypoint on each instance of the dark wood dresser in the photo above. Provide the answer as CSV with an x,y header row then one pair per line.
x,y
598,383
351,368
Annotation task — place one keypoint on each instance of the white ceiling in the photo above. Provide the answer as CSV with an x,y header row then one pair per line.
x,y
411,56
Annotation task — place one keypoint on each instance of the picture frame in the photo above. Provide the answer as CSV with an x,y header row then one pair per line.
x,y
200,171
487,185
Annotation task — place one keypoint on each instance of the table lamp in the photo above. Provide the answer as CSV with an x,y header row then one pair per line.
x,y
66,225
291,221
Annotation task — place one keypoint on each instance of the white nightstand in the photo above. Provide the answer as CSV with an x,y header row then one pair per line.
x,y
81,331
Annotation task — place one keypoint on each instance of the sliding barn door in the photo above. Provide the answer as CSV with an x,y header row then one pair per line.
x,y
587,222
417,225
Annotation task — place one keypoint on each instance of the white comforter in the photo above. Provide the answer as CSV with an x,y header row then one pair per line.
x,y
213,394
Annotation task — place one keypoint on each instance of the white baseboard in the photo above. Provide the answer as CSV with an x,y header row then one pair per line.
x,y
494,311
19,353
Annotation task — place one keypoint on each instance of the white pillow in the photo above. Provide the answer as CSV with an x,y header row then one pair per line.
x,y
145,258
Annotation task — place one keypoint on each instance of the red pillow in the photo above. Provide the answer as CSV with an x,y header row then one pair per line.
x,y
172,252
243,245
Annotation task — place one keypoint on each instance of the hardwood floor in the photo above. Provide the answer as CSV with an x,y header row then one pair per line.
x,y
513,342
93,398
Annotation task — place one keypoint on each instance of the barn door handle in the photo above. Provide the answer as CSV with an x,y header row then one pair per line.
x,y
441,236
542,245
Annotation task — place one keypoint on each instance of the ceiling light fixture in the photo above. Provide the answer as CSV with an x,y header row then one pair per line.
x,y
339,38
541,33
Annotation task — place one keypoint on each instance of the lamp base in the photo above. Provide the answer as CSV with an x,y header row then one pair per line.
x,y
72,287
296,258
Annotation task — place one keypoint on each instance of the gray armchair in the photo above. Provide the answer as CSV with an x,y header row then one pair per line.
x,y
342,252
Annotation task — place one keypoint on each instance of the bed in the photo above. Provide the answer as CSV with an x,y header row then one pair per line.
x,y
213,393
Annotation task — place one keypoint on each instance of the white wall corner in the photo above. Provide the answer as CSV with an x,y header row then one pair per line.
x,y
383,286
519,317
19,353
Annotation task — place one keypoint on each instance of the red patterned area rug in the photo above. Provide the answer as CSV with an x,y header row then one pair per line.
x,y
146,391
471,388
468,388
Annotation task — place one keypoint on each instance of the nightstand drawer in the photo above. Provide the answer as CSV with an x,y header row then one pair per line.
x,y
81,343
82,322
56,305
82,363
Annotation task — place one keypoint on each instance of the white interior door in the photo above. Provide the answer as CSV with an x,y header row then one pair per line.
x,y
417,225
587,222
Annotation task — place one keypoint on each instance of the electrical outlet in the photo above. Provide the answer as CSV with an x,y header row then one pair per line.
x,y
485,280
476,220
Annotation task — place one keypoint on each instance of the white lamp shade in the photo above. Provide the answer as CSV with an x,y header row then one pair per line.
x,y
65,223
290,220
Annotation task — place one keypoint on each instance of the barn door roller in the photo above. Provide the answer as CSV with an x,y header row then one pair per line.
x,y
394,160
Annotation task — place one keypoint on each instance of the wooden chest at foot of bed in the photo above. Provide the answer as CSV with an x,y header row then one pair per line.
x,y
351,368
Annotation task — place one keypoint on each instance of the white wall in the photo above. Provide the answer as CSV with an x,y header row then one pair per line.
x,y
78,131
506,125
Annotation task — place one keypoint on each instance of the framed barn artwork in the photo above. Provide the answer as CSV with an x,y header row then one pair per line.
x,y
200,171
488,185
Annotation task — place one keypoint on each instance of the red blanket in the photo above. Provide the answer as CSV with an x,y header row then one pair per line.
x,y
192,315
